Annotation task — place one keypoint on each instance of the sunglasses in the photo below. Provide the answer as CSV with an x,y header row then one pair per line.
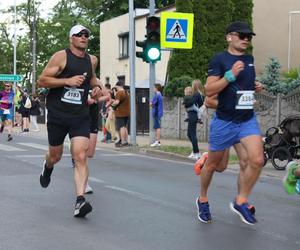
x,y
80,34
6,86
242,36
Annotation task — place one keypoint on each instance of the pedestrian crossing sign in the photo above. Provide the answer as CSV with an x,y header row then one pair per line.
x,y
176,30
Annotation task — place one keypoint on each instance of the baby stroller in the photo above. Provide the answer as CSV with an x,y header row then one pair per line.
x,y
281,144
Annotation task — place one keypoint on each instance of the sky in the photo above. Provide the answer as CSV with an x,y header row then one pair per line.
x,y
44,8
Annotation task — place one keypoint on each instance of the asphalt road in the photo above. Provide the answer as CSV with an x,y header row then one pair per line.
x,y
139,202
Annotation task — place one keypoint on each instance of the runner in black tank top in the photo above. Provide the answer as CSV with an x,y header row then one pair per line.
x,y
69,75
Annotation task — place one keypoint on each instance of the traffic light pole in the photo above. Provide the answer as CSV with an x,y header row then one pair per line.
x,y
151,81
132,73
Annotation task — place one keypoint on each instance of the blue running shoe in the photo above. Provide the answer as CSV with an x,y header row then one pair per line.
x,y
244,212
203,212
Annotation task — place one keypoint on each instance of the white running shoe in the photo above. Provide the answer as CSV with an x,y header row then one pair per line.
x,y
88,189
195,156
155,144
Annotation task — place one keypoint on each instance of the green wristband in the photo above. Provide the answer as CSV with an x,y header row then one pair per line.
x,y
229,76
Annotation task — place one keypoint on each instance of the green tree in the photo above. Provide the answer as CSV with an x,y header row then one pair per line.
x,y
211,18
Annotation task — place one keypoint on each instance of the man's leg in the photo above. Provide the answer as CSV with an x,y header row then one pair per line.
x,y
79,149
213,161
214,158
52,157
251,164
255,160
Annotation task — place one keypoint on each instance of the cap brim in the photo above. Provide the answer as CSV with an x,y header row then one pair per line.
x,y
246,32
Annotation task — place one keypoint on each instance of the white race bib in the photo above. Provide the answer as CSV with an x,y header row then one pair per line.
x,y
244,99
72,95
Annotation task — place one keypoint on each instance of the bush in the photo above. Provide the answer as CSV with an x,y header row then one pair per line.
x,y
175,87
276,83
292,74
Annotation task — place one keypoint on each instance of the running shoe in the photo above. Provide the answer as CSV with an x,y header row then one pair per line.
x,y
290,180
82,208
203,212
200,163
9,138
88,189
244,212
155,144
45,176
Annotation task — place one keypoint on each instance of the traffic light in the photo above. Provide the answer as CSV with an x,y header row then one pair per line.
x,y
153,52
142,54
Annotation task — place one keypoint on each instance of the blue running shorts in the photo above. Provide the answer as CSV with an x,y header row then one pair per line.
x,y
224,134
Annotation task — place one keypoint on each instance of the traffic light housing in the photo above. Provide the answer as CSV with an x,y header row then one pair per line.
x,y
142,54
153,50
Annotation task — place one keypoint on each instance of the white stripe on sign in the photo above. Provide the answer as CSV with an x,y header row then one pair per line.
x,y
34,145
10,148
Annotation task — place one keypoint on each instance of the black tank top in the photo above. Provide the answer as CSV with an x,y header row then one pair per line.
x,y
71,101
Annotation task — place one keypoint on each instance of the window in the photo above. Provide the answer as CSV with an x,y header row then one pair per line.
x,y
121,79
123,45
107,80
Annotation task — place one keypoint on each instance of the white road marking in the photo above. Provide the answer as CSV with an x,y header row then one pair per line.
x,y
34,145
10,148
93,179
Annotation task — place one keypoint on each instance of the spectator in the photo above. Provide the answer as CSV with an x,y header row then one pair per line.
x,y
24,112
121,106
157,113
35,112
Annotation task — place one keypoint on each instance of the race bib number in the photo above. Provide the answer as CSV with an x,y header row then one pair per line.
x,y
6,111
72,95
244,99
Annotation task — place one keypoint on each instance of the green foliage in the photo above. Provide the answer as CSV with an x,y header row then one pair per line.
x,y
292,74
176,86
274,82
211,17
271,76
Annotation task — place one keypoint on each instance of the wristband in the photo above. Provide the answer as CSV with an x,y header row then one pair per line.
x,y
229,76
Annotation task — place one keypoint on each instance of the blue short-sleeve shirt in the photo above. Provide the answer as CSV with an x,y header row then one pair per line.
x,y
221,63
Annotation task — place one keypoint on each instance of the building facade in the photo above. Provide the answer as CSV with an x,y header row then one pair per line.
x,y
270,22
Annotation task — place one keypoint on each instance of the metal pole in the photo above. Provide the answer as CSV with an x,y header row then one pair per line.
x,y
15,41
151,81
34,50
132,73
15,56
290,37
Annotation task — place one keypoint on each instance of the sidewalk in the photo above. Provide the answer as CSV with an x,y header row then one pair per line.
x,y
143,141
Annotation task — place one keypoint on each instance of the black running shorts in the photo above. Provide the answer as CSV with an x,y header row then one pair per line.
x,y
59,127
121,122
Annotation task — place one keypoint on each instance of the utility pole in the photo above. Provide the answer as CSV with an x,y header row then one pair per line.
x,y
34,49
15,41
132,73
151,81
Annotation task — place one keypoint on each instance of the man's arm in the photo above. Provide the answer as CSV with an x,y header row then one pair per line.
x,y
215,84
48,78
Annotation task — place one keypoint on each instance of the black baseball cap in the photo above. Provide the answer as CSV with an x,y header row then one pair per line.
x,y
239,27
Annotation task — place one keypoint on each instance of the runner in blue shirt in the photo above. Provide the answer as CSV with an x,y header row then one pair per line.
x,y
231,76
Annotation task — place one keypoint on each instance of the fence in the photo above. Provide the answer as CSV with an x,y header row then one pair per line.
x,y
270,111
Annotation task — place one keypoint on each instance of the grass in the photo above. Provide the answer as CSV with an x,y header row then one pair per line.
x,y
185,151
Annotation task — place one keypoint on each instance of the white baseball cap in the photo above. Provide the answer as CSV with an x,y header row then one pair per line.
x,y
77,28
